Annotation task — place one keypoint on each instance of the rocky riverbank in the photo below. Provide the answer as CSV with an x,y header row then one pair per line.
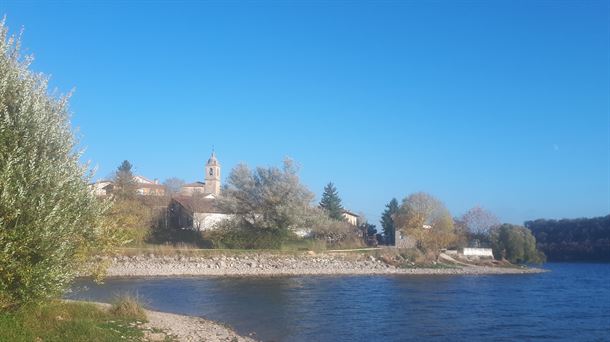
x,y
162,326
267,264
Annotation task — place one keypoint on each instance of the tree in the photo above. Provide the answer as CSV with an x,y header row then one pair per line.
x,y
370,229
331,202
173,185
516,244
270,199
50,222
124,181
427,220
579,239
479,221
387,222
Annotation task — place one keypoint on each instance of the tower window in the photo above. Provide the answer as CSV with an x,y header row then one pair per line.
x,y
211,171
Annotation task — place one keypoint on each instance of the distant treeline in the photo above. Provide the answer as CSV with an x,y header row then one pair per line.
x,y
582,239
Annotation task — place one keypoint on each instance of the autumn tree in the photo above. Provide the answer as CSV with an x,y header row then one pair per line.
x,y
331,202
128,212
427,221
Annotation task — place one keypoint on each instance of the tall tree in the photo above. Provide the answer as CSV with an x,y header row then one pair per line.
x,y
331,202
49,219
124,181
427,220
387,222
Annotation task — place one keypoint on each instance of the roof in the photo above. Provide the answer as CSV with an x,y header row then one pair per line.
x,y
213,161
197,204
142,179
350,213
194,185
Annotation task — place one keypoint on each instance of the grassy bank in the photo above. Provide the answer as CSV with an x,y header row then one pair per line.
x,y
70,321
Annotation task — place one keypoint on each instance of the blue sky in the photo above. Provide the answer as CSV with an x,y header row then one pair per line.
x,y
503,104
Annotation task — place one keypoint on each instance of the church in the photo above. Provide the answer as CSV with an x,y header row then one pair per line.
x,y
195,206
211,187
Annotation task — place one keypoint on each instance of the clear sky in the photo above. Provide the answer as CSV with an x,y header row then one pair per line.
x,y
504,104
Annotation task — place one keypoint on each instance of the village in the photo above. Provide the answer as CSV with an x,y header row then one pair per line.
x,y
193,207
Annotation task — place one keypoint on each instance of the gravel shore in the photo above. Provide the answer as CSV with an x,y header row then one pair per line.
x,y
162,325
263,264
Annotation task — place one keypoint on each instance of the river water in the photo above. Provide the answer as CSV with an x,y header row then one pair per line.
x,y
570,303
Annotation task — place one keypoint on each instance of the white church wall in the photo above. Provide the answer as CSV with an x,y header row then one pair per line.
x,y
207,221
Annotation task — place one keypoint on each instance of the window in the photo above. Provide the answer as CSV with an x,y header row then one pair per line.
x,y
211,171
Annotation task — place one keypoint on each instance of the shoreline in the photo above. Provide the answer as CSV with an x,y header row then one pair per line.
x,y
162,325
273,265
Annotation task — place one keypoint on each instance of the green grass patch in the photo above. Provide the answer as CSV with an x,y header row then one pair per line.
x,y
67,321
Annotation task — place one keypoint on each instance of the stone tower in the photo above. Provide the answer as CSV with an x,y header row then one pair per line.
x,y
212,175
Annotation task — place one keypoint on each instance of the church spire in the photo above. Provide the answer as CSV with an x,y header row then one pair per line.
x,y
212,175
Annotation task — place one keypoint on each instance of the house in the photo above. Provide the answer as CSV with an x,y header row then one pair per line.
x,y
192,188
101,188
147,187
350,217
144,186
194,212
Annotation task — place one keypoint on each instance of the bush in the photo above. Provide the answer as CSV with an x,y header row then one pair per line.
x,y
336,234
128,307
245,238
49,220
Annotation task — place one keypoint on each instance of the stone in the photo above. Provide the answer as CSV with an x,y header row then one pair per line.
x,y
156,336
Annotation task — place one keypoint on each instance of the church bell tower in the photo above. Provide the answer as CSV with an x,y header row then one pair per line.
x,y
212,175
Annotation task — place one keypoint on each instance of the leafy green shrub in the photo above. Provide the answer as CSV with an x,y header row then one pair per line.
x,y
49,220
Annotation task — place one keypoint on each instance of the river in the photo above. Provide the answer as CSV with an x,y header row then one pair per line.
x,y
570,303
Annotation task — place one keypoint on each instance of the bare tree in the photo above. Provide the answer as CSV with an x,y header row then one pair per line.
x,y
479,221
173,185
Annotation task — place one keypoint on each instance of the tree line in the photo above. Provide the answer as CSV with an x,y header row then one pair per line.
x,y
580,239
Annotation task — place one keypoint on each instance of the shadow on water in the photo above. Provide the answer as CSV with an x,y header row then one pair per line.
x,y
569,303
